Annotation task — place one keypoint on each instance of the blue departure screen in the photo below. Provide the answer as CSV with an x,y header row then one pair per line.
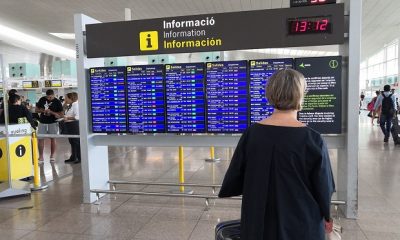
x,y
145,88
260,71
184,90
227,97
107,87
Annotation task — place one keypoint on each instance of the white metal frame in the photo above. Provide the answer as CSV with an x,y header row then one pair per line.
x,y
95,168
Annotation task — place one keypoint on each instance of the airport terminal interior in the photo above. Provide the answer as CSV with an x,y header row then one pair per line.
x,y
119,118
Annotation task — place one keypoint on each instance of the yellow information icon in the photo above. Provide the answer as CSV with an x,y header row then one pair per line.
x,y
129,69
252,63
148,41
209,65
91,70
168,67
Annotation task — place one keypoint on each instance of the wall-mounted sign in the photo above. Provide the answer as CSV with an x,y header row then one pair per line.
x,y
322,107
218,32
30,84
52,83
301,3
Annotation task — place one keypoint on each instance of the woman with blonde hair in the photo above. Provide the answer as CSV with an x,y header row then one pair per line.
x,y
282,169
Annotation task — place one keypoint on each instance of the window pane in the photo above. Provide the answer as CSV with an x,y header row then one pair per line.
x,y
391,52
392,67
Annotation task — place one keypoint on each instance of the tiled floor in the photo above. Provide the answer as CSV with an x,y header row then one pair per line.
x,y
58,213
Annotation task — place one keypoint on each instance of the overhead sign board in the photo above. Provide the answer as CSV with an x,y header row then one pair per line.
x,y
214,32
301,3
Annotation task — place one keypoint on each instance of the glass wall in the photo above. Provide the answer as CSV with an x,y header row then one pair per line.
x,y
380,69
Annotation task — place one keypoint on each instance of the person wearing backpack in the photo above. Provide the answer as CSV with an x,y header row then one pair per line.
x,y
387,102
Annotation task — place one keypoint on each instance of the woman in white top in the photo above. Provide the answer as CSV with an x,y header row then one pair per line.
x,y
71,120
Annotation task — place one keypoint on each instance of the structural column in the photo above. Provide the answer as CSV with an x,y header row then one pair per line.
x,y
347,178
95,169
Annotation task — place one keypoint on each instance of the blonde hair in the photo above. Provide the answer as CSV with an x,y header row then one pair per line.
x,y
285,89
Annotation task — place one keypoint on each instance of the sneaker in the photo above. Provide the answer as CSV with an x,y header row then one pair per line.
x,y
386,140
41,161
77,161
52,159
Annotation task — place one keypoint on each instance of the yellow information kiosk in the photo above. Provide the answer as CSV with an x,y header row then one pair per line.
x,y
20,152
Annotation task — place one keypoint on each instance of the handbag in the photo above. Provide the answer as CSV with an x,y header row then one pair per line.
x,y
337,229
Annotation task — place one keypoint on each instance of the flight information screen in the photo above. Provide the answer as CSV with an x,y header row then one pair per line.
x,y
107,86
322,106
184,92
145,92
260,71
227,97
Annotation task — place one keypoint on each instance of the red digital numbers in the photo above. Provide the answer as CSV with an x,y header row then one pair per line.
x,y
312,25
324,25
318,1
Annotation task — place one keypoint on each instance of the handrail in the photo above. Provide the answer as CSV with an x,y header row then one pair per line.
x,y
206,197
57,136
213,186
115,182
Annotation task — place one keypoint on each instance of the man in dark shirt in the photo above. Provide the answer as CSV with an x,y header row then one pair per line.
x,y
50,108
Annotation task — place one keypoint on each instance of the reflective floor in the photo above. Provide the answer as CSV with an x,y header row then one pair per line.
x,y
58,213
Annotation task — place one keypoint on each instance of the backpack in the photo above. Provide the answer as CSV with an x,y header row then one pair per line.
x,y
387,105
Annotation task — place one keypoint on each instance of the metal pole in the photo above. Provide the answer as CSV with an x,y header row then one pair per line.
x,y
181,173
6,121
212,155
36,173
181,169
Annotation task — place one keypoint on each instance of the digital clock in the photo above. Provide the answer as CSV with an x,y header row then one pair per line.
x,y
306,25
301,3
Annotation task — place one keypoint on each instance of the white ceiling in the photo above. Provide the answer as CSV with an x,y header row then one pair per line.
x,y
39,17
381,24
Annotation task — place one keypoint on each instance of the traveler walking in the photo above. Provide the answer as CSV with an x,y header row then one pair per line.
x,y
387,102
372,113
282,169
50,108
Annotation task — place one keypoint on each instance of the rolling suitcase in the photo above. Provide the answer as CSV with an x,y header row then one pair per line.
x,y
395,130
229,230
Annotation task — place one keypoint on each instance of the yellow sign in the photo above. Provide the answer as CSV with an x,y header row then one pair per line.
x,y
209,65
3,160
168,67
129,69
148,41
21,157
91,70
252,63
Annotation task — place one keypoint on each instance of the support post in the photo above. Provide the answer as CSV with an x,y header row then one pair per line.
x,y
181,169
212,156
181,172
37,186
347,176
95,169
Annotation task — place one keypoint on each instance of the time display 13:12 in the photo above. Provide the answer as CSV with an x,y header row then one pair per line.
x,y
310,25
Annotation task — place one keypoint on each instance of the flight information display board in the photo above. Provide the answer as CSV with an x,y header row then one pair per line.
x,y
322,108
107,87
259,73
145,92
227,97
184,92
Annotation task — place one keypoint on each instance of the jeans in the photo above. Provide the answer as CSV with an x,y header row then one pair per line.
x,y
385,122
